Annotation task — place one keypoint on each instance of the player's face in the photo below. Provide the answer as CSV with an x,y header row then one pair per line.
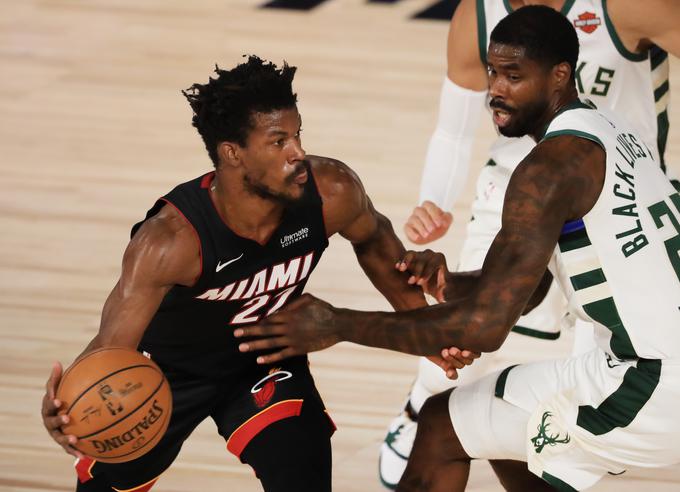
x,y
518,88
273,156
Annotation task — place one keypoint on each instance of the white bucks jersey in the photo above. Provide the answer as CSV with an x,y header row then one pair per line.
x,y
631,84
619,266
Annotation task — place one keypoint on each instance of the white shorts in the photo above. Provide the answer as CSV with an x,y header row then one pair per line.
x,y
573,420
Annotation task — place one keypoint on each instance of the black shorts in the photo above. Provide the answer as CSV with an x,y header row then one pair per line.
x,y
243,407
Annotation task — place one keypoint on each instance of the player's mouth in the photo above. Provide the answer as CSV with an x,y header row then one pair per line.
x,y
501,117
301,178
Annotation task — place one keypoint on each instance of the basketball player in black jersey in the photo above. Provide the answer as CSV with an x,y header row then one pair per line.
x,y
224,251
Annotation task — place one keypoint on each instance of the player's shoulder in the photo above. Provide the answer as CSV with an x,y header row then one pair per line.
x,y
167,233
333,177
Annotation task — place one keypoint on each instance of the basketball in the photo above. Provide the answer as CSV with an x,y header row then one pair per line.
x,y
119,404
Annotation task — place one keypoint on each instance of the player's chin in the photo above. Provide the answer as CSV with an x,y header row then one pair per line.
x,y
295,192
511,130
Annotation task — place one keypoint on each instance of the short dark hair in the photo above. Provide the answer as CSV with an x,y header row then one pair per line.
x,y
223,108
546,35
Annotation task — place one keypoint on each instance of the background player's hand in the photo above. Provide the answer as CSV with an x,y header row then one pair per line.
x,y
428,270
306,325
427,223
52,421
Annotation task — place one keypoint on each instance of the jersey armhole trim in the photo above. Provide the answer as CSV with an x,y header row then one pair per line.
x,y
567,7
623,51
575,133
481,32
198,239
323,217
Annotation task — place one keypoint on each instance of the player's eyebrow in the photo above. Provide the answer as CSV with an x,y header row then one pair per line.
x,y
508,66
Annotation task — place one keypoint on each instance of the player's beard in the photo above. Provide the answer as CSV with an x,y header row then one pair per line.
x,y
288,200
523,121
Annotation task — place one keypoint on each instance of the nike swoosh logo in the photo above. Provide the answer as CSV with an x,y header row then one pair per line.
x,y
221,265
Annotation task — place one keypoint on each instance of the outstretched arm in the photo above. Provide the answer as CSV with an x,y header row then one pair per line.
x,y
559,181
428,270
163,253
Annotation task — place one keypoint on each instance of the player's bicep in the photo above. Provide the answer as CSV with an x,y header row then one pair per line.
x,y
158,257
536,207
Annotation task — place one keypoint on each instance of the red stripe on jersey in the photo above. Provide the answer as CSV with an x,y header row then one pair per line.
x,y
84,468
200,248
205,182
240,438
318,190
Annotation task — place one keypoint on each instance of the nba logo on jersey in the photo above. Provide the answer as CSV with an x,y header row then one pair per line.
x,y
587,22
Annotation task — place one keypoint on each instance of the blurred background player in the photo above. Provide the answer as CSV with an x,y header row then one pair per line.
x,y
623,65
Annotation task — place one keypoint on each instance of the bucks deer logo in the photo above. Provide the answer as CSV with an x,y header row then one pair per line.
x,y
543,439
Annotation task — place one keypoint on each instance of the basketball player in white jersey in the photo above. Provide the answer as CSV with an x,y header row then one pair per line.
x,y
589,204
623,65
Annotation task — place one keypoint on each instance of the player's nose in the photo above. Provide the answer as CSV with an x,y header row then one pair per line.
x,y
497,88
297,153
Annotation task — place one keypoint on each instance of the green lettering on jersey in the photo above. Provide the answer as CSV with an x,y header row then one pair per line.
x,y
603,81
577,76
660,210
627,210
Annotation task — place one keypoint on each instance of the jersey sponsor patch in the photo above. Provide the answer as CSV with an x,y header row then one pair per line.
x,y
587,22
289,239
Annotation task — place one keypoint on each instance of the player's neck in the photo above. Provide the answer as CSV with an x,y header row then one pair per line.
x,y
247,214
557,105
555,4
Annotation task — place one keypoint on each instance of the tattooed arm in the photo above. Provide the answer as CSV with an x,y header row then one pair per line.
x,y
559,181
428,270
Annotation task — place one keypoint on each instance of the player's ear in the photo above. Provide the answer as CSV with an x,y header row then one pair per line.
x,y
229,153
561,74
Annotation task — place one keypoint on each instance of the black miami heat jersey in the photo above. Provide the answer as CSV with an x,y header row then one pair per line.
x,y
241,281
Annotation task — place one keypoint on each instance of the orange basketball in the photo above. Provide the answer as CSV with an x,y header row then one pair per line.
x,y
119,404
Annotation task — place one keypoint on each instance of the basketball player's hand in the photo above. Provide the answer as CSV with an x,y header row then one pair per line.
x,y
428,270
52,421
306,325
427,223
456,359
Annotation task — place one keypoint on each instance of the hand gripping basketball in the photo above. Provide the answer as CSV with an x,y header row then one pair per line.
x,y
117,404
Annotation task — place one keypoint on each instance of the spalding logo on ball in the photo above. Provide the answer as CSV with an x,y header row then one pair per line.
x,y
119,404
